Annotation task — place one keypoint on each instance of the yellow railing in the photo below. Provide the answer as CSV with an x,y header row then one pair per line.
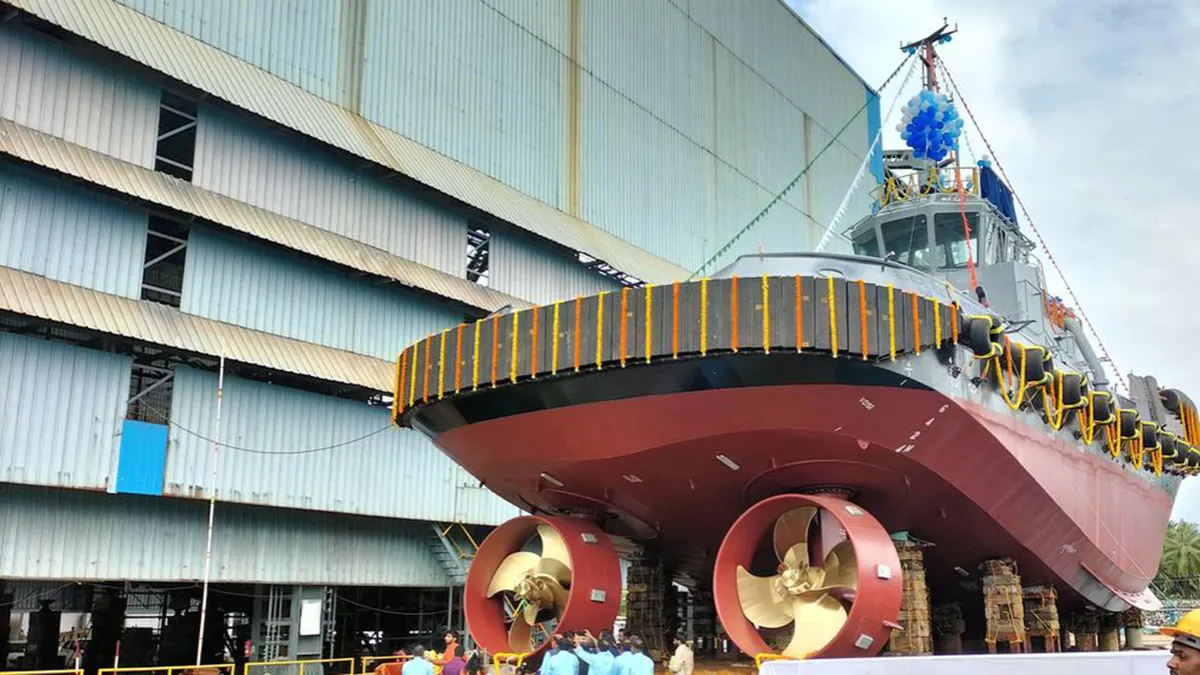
x,y
505,657
760,659
369,661
917,185
472,546
164,670
263,667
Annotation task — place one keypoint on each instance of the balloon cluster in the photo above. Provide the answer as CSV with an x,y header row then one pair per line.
x,y
930,125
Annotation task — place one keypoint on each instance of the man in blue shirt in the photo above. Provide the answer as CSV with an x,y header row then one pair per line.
x,y
561,660
599,661
635,661
418,665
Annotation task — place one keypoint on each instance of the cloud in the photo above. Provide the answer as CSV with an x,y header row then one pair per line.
x,y
1094,115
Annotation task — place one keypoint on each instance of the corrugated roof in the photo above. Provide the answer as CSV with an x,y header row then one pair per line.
x,y
246,86
35,296
97,168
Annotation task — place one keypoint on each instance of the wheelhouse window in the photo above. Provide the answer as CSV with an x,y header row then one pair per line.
x,y
865,243
951,241
908,238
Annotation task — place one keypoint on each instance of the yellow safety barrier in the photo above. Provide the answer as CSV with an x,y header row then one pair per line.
x,y
164,670
505,657
368,661
760,659
263,667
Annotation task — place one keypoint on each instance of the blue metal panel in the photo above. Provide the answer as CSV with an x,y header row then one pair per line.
x,y
873,123
469,80
375,469
294,39
105,537
56,230
246,161
532,272
143,457
61,409
250,285
78,99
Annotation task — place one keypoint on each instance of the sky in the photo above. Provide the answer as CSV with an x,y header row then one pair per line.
x,y
1094,116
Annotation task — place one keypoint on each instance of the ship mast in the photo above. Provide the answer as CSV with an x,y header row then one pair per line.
x,y
925,48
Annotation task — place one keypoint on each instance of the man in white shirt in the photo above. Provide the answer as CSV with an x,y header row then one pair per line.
x,y
683,662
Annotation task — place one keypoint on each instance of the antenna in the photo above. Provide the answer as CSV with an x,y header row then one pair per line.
x,y
927,53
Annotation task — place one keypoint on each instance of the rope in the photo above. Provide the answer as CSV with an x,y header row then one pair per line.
x,y
862,169
962,210
1024,211
788,188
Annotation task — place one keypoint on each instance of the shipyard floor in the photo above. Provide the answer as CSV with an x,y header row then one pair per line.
x,y
57,624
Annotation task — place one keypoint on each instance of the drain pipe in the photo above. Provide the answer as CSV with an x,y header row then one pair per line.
x,y
1099,377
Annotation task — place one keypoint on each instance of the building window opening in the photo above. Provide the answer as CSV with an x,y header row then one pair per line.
x,y
175,152
150,386
162,268
479,240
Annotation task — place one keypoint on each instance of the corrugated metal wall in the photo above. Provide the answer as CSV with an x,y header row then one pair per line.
x,y
250,285
299,42
682,121
461,77
396,473
528,270
58,231
60,413
49,89
111,537
243,160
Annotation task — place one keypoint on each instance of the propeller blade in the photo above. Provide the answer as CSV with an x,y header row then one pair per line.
x,y
530,611
549,567
841,566
520,634
761,604
510,571
791,529
817,624
561,595
553,547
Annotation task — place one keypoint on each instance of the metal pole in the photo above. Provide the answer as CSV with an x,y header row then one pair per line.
x,y
212,507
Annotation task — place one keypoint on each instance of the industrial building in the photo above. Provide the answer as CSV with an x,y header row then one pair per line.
x,y
289,191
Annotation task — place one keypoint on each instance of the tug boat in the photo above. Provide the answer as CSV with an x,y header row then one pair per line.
x,y
772,430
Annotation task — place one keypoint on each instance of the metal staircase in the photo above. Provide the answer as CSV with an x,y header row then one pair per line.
x,y
454,547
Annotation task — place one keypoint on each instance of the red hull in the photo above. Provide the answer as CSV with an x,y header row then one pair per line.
x,y
975,483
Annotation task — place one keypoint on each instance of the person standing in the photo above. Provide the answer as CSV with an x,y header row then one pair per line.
x,y
636,661
597,656
456,663
683,662
418,664
561,660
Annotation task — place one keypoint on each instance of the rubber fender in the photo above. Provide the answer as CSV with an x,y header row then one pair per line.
x,y
1182,450
976,334
1102,410
1048,362
1167,440
1171,398
1193,458
1035,372
1129,423
1149,436
1072,389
